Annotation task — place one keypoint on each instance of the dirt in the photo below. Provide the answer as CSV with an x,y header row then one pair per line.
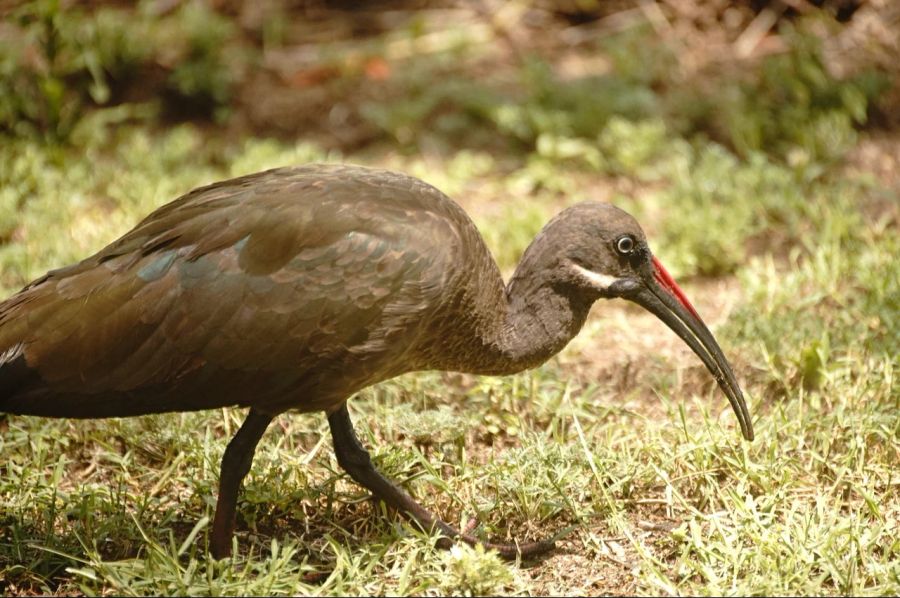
x,y
632,349
598,561
572,574
877,155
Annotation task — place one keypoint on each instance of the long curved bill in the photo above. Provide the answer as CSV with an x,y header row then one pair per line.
x,y
662,297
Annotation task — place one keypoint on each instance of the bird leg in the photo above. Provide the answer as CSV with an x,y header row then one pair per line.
x,y
235,465
355,460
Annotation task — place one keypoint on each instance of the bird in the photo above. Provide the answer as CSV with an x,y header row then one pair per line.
x,y
292,289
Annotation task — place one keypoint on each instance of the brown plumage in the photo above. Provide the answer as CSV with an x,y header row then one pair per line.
x,y
297,287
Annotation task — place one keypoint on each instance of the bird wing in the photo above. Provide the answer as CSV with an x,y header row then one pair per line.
x,y
262,284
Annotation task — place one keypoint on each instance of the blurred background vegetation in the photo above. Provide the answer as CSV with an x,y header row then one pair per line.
x,y
796,76
624,90
757,141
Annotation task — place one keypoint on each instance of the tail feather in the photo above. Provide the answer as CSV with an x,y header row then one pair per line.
x,y
15,375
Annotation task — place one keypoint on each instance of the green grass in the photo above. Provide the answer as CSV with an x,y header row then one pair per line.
x,y
648,471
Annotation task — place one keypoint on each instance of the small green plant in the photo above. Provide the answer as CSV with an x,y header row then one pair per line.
x,y
59,61
201,80
794,107
475,572
33,92
576,108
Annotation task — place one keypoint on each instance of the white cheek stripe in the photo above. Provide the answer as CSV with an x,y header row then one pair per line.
x,y
600,281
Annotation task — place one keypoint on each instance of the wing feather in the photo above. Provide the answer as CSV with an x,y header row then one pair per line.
x,y
270,283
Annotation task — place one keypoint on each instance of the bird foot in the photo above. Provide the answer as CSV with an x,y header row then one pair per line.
x,y
509,551
354,459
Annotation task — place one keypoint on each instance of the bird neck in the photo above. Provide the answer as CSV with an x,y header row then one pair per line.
x,y
540,321
505,329
537,319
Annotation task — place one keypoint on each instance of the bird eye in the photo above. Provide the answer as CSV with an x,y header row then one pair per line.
x,y
625,244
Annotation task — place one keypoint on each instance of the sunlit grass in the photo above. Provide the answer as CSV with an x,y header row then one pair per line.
x,y
657,496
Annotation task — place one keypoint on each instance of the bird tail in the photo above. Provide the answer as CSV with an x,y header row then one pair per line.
x,y
14,372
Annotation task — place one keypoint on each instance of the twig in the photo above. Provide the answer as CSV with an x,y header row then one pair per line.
x,y
664,526
757,29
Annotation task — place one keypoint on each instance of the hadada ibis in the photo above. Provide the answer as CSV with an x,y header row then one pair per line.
x,y
294,288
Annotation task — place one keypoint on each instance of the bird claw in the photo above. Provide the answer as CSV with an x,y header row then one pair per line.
x,y
511,551
507,551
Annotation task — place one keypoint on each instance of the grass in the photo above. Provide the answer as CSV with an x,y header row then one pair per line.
x,y
646,468
621,442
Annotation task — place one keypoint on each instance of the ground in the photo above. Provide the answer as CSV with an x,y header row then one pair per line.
x,y
765,178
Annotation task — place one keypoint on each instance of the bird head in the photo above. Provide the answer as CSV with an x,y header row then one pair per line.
x,y
603,253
